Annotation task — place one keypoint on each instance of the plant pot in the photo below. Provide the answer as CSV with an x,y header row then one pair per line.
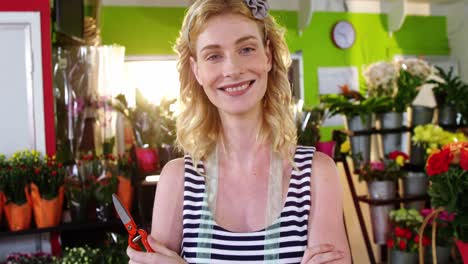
x,y
327,147
381,190
391,141
125,192
421,115
18,216
401,257
147,160
442,254
463,249
104,212
415,183
78,212
417,155
360,145
447,115
47,213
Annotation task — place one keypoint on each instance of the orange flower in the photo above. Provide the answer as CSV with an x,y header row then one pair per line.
x,y
455,149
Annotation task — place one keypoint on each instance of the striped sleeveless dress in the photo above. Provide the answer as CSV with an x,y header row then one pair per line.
x,y
284,241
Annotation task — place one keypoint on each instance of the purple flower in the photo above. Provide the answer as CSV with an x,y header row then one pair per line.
x,y
377,166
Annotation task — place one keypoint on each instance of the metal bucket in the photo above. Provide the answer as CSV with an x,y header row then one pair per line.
x,y
417,155
447,115
380,190
391,142
402,257
360,145
421,115
443,255
415,183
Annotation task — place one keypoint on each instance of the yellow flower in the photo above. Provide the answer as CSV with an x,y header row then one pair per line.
x,y
400,160
345,147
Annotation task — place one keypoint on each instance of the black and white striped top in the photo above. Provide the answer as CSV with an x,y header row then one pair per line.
x,y
283,242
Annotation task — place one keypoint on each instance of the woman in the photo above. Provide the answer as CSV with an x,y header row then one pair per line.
x,y
253,196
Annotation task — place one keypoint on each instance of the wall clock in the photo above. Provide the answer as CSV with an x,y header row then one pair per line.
x,y
343,34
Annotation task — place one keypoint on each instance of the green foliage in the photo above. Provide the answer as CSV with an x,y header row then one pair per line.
x,y
308,127
450,90
153,125
104,188
407,90
15,183
340,104
49,177
410,218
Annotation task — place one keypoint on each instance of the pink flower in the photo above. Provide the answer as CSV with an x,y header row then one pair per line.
x,y
377,165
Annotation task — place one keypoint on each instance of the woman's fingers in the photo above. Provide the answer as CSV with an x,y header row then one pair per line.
x,y
146,258
321,254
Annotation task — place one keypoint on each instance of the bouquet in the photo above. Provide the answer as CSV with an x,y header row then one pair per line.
x,y
447,169
406,223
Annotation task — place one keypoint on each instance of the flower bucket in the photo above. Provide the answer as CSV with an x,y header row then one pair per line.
x,y
442,253
78,212
463,249
447,115
391,142
47,213
417,155
421,115
19,216
414,184
360,145
327,147
125,192
402,257
380,190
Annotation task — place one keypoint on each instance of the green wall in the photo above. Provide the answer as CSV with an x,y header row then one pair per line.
x,y
153,30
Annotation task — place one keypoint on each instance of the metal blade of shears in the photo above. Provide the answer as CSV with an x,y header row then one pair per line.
x,y
124,215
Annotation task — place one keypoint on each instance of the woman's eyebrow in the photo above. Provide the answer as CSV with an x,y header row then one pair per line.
x,y
240,40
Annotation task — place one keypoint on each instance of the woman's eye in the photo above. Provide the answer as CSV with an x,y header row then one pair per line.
x,y
213,57
247,50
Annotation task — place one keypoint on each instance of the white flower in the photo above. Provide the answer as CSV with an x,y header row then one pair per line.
x,y
416,67
380,77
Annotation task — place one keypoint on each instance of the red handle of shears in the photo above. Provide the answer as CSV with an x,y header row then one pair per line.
x,y
135,235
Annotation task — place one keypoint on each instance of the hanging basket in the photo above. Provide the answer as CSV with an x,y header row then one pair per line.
x,y
47,213
125,192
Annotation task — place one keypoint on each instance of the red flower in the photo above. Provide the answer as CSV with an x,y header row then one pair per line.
x,y
54,173
426,241
402,244
377,166
59,165
395,154
438,162
37,171
416,239
390,243
408,234
400,232
464,158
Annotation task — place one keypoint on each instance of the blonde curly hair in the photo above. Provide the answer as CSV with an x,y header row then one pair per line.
x,y
199,124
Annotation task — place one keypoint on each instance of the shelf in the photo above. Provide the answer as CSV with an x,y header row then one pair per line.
x,y
368,200
113,225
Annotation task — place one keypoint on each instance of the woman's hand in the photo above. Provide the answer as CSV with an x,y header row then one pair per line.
x,y
321,254
162,255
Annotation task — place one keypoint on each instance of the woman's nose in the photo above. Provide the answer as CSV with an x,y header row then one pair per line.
x,y
233,67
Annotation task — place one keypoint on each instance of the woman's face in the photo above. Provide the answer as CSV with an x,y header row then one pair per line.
x,y
232,63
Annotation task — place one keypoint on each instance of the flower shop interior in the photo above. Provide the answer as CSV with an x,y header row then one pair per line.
x,y
90,90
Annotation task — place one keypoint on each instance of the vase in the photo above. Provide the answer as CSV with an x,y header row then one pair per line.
x,y
442,255
391,141
447,115
402,257
47,213
415,184
360,145
417,155
125,192
463,249
104,212
381,190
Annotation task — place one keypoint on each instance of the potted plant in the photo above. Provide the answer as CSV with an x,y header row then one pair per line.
x,y
447,169
450,93
17,179
125,169
444,234
381,178
358,113
404,239
104,187
380,78
47,192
